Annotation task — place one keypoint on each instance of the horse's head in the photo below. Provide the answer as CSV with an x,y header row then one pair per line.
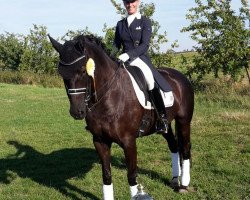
x,y
72,68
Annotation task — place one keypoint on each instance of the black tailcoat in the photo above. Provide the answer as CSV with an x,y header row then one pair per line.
x,y
135,41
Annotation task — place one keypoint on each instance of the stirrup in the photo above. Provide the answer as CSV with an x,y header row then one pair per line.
x,y
162,127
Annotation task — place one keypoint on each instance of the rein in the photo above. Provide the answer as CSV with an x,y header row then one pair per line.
x,y
109,83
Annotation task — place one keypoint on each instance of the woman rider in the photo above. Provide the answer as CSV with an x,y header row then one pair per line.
x,y
133,33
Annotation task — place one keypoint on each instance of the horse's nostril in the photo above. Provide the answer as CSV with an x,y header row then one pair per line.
x,y
81,112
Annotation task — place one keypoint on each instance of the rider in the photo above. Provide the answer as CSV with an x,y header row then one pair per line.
x,y
133,33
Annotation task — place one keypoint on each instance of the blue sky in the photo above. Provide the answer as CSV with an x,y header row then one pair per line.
x,y
59,16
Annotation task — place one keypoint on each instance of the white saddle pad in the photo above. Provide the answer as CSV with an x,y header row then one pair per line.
x,y
167,97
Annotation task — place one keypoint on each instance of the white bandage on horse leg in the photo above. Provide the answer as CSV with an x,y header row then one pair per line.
x,y
176,168
133,190
185,173
108,192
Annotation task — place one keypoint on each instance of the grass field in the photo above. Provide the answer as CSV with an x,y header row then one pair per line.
x,y
45,154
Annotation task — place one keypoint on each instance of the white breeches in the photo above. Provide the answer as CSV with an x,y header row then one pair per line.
x,y
146,72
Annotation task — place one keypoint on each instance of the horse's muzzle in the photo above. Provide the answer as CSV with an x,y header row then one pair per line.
x,y
78,114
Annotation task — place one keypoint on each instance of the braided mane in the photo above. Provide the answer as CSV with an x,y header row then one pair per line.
x,y
97,41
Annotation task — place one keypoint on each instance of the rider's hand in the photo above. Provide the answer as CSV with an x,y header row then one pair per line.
x,y
124,57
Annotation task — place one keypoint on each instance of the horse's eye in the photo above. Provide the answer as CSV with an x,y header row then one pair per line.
x,y
82,73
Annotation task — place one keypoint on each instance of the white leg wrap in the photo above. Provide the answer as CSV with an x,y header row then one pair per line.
x,y
176,168
185,175
108,192
133,190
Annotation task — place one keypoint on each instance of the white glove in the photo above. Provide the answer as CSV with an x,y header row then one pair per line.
x,y
123,57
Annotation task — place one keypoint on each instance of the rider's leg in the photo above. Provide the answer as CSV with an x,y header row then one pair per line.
x,y
154,94
158,104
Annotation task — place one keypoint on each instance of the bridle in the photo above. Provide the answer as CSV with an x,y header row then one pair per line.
x,y
75,91
87,89
73,62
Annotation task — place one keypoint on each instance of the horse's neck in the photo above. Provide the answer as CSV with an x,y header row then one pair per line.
x,y
109,76
105,67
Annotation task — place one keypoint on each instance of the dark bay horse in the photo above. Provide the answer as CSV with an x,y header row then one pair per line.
x,y
107,101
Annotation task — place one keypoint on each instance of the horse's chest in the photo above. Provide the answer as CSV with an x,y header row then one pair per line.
x,y
98,122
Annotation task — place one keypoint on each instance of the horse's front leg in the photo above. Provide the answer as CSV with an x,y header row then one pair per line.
x,y
129,147
103,150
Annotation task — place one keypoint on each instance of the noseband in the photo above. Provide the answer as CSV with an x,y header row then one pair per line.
x,y
77,91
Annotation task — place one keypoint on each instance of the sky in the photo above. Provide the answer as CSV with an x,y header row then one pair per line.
x,y
59,16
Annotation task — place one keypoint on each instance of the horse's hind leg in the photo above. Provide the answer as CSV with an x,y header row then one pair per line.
x,y
173,146
183,131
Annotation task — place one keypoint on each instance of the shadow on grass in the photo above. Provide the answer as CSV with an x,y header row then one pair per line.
x,y
51,170
120,164
54,169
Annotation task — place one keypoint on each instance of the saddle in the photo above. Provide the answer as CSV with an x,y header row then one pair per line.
x,y
140,87
140,80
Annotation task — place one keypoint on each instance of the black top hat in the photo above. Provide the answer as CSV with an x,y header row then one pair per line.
x,y
129,1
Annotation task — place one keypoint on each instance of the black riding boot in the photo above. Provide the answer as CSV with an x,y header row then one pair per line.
x,y
159,106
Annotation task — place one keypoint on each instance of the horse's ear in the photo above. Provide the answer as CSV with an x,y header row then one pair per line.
x,y
55,44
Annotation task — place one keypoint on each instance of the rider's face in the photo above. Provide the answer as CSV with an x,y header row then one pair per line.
x,y
131,7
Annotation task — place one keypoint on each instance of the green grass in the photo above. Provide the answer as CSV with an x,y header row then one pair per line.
x,y
181,61
31,78
45,154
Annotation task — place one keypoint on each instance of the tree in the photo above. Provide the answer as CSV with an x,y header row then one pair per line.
x,y
11,50
38,56
222,37
71,34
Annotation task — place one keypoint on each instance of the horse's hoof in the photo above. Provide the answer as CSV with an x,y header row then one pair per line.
x,y
185,189
174,183
142,197
182,191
